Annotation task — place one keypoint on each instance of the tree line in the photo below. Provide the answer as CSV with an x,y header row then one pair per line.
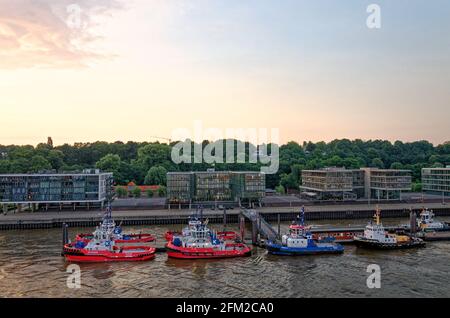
x,y
147,163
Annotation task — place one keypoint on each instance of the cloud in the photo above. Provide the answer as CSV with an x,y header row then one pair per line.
x,y
51,33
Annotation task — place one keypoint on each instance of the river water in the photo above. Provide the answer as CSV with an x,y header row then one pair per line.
x,y
31,266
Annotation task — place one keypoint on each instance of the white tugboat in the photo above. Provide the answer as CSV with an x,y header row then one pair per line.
x,y
376,237
428,223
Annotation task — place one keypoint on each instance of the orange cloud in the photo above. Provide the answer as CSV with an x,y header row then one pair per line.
x,y
39,33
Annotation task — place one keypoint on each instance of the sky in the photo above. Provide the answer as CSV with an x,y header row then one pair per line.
x,y
88,70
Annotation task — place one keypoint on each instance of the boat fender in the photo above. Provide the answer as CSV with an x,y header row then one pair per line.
x,y
80,244
177,242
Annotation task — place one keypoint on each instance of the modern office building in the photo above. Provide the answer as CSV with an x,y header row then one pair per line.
x,y
328,183
180,187
436,180
248,185
89,189
386,184
359,183
346,184
215,186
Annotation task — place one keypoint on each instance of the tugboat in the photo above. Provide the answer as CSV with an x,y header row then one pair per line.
x,y
102,248
109,226
194,221
200,242
427,223
376,237
299,241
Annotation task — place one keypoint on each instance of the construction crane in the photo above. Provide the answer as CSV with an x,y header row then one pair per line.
x,y
156,137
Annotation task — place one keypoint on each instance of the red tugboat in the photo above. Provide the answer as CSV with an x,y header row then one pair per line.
x,y
193,222
202,243
102,248
108,225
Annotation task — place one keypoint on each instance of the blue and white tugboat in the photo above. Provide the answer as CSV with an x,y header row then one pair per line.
x,y
299,241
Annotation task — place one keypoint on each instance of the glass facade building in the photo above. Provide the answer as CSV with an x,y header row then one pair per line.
x,y
209,186
368,183
93,187
436,181
328,183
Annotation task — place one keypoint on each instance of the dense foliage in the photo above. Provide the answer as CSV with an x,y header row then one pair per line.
x,y
146,163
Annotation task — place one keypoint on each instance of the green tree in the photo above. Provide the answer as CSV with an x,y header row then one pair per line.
x,y
19,165
39,163
156,176
289,181
137,192
280,189
417,187
5,166
396,165
377,163
111,163
121,192
56,159
162,191
149,193
154,155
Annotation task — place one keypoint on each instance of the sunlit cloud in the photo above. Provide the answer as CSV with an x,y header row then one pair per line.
x,y
42,33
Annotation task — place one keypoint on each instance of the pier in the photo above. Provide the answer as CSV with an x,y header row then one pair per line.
x,y
52,219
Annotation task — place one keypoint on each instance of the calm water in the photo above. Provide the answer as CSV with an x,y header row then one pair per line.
x,y
31,266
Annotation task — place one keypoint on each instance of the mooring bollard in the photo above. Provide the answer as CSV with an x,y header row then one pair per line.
x,y
65,237
279,225
254,232
224,218
413,222
242,227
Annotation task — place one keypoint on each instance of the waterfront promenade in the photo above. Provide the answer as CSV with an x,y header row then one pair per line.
x,y
30,220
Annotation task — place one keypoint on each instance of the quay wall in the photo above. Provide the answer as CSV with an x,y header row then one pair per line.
x,y
163,217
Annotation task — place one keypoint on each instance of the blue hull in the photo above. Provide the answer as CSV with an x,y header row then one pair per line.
x,y
278,249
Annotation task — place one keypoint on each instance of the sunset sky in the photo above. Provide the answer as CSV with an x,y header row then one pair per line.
x,y
135,69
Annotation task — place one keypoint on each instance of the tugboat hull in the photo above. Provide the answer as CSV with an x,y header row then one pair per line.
x,y
365,243
278,249
233,250
129,254
129,238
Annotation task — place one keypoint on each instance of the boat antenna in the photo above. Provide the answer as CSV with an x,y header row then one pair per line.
x,y
302,216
